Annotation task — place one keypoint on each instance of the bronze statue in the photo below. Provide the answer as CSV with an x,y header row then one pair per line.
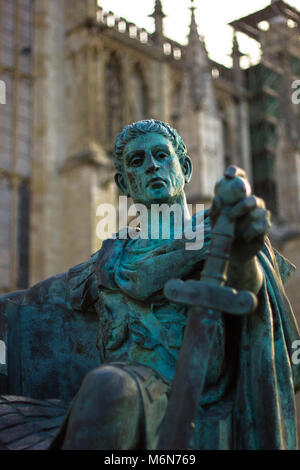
x,y
247,391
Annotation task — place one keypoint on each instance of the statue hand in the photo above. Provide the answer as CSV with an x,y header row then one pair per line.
x,y
253,221
251,217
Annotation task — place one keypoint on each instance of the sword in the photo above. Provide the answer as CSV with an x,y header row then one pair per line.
x,y
207,300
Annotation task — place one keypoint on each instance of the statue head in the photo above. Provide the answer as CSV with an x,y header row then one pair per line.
x,y
151,162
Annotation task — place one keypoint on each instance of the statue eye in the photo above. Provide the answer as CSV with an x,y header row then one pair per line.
x,y
161,154
136,161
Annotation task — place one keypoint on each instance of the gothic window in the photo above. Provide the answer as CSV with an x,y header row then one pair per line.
x,y
139,103
113,97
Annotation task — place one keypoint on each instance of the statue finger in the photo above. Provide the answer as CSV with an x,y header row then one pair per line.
x,y
260,213
245,206
257,228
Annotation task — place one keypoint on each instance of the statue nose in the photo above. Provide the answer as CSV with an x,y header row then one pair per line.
x,y
152,165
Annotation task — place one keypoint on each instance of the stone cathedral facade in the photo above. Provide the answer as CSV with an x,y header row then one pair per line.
x,y
76,74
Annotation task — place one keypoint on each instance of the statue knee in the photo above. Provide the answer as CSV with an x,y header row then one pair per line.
x,y
111,386
106,412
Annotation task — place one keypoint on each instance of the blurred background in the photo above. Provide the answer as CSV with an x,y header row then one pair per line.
x,y
75,73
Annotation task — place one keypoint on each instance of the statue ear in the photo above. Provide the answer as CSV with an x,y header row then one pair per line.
x,y
187,168
120,182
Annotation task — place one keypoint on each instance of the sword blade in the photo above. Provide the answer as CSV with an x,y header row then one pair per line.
x,y
178,425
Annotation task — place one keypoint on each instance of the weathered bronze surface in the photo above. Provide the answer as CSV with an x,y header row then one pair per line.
x,y
115,305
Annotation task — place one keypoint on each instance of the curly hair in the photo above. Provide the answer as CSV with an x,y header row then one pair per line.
x,y
144,127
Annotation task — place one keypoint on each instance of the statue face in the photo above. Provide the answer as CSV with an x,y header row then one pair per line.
x,y
152,172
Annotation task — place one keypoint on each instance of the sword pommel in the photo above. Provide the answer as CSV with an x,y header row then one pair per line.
x,y
233,187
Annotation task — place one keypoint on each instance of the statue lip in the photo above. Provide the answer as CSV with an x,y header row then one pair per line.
x,y
154,180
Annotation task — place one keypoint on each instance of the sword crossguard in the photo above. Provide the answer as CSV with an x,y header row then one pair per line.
x,y
233,187
218,298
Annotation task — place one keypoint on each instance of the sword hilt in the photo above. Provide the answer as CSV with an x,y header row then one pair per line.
x,y
233,187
